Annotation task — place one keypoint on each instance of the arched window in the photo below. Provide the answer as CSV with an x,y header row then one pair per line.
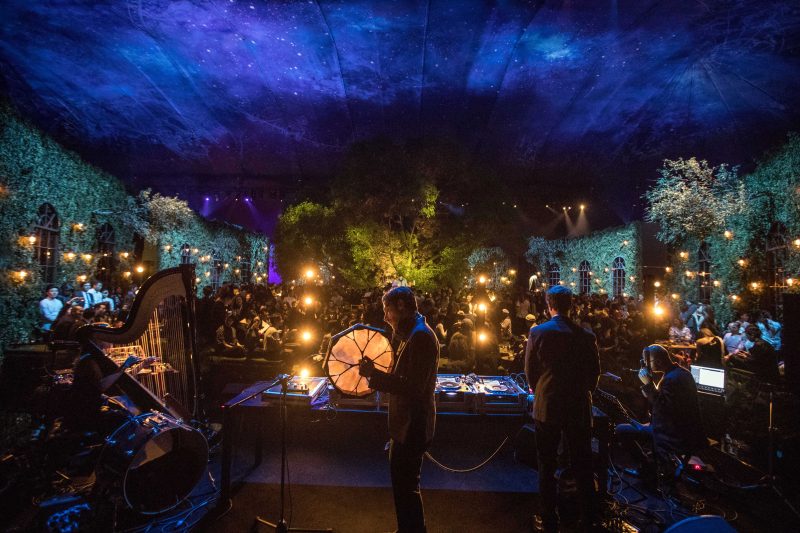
x,y
246,269
584,279
777,254
186,254
553,275
704,284
47,229
618,277
216,270
105,243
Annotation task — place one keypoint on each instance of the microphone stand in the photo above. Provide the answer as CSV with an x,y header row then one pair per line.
x,y
281,526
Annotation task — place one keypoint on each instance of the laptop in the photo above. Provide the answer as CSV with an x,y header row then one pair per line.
x,y
709,380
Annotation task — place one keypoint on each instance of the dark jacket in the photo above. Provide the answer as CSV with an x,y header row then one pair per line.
x,y
411,385
562,365
676,422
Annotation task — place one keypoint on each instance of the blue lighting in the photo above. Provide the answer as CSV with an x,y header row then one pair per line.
x,y
578,90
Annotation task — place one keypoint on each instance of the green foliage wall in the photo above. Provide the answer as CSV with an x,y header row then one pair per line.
x,y
35,170
599,249
740,272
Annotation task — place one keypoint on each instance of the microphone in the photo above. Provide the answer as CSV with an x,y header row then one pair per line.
x,y
612,377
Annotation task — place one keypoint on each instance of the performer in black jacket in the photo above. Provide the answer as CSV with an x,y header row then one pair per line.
x,y
562,365
412,411
676,425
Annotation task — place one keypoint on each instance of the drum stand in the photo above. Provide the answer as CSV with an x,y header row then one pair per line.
x,y
281,526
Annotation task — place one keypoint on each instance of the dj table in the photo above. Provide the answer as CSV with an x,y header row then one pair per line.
x,y
469,401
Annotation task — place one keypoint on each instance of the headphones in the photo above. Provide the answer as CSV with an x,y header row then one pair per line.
x,y
647,357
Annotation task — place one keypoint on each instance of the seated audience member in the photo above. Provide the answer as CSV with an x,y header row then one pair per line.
x,y
733,339
770,330
679,333
459,351
227,342
744,320
675,425
63,326
710,349
756,356
87,317
505,327
107,299
49,308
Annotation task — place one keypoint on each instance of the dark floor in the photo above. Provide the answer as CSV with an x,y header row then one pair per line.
x,y
339,479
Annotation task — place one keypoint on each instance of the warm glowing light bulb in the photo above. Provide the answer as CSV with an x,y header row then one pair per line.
x,y
140,269
741,262
583,207
683,255
482,336
22,274
658,310
482,279
481,307
512,272
87,257
675,296
308,300
306,335
667,269
728,234
657,284
70,256
624,243
734,297
797,242
754,285
32,240
790,281
309,273
716,283
304,373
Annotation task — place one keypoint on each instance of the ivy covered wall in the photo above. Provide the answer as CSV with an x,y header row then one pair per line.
x,y
35,170
744,275
599,249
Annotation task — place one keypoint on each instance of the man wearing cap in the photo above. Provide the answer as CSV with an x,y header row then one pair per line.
x,y
562,365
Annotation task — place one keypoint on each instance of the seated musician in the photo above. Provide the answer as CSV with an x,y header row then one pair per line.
x,y
675,426
89,408
756,355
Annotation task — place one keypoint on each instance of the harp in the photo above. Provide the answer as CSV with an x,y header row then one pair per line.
x,y
160,324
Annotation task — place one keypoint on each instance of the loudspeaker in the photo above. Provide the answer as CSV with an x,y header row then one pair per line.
x,y
525,446
790,345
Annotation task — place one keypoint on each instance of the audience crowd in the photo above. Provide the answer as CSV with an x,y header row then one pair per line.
x,y
479,331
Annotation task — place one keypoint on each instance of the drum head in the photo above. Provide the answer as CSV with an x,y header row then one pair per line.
x,y
346,350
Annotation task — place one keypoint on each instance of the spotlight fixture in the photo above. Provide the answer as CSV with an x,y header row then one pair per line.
x,y
308,300
140,269
304,372
583,207
306,335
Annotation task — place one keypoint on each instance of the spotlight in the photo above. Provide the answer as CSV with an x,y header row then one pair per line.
x,y
309,273
306,335
208,199
583,207
482,336
657,284
140,269
308,300
482,280
482,307
658,310
304,372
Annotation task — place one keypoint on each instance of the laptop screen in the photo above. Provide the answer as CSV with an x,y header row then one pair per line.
x,y
710,377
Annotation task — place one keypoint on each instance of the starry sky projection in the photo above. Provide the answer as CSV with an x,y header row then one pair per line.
x,y
573,93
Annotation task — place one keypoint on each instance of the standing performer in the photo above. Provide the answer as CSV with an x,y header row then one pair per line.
x,y
562,364
412,411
